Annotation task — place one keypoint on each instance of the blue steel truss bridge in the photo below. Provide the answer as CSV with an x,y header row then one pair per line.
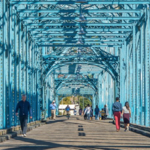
x,y
52,49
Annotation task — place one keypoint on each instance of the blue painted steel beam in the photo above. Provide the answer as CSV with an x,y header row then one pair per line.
x,y
103,41
77,29
52,45
76,83
77,18
100,2
3,70
87,42
78,10
85,57
71,39
75,34
77,24
74,78
107,62
10,72
58,65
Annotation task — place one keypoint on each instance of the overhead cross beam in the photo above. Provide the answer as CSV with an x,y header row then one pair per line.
x,y
100,2
112,59
73,39
78,11
77,29
75,81
77,24
75,34
77,18
55,45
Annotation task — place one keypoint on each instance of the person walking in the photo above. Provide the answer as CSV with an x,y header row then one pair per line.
x,y
80,111
75,111
106,111
91,115
102,114
68,111
88,111
84,113
117,110
24,108
126,112
53,107
96,113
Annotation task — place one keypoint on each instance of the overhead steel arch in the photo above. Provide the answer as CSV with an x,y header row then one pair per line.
x,y
77,81
106,68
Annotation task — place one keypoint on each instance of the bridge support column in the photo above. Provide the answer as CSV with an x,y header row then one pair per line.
x,y
93,103
57,103
123,73
147,67
116,82
52,89
3,68
100,91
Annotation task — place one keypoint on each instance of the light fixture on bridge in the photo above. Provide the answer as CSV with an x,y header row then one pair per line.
x,y
80,41
81,1
81,31
82,18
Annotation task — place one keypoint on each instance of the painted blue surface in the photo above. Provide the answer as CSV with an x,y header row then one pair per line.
x,y
41,56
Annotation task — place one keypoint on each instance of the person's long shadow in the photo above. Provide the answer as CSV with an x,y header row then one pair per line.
x,y
43,145
55,121
34,144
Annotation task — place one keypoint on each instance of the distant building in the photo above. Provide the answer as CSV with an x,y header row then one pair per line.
x,y
72,108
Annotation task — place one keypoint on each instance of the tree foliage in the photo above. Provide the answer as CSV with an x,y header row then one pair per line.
x,y
66,100
84,102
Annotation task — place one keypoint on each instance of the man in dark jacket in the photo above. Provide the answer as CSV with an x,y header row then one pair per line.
x,y
24,108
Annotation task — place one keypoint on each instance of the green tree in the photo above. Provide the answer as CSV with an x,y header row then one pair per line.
x,y
84,102
66,100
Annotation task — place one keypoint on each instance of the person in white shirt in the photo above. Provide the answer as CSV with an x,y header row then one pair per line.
x,y
126,112
88,111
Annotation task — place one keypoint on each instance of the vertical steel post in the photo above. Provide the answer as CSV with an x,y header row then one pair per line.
x,y
133,75
9,115
3,48
147,65
57,103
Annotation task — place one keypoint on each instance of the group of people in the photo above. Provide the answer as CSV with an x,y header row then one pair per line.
x,y
88,112
118,112
24,108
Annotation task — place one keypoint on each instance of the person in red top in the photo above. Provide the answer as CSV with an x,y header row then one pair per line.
x,y
117,110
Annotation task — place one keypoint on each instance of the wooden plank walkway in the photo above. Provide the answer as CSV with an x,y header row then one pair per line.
x,y
77,134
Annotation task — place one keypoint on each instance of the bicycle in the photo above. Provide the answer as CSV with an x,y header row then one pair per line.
x,y
68,115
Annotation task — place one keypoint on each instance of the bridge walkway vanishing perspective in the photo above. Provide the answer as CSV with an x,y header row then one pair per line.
x,y
95,49
76,134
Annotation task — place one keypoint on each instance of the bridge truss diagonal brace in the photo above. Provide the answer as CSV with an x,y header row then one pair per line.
x,y
106,63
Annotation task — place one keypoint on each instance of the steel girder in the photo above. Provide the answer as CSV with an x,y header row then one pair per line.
x,y
100,59
91,82
78,11
78,82
101,2
112,59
